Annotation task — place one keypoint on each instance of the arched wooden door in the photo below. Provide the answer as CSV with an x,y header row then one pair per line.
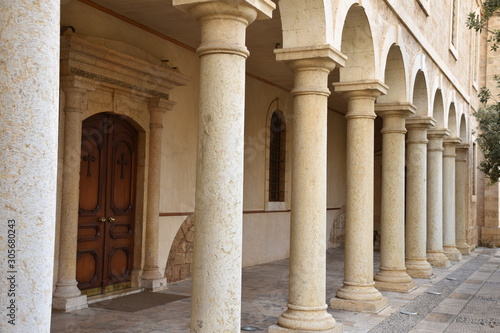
x,y
107,204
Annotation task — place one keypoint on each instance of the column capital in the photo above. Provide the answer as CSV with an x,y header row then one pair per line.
x,y
449,145
324,56
368,88
160,105
452,141
73,83
390,110
424,123
462,147
223,23
311,66
201,9
438,133
157,107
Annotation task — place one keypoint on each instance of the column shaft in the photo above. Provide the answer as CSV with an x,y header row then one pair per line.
x,y
392,275
461,201
67,296
435,254
216,293
416,262
152,279
29,102
307,287
358,292
449,247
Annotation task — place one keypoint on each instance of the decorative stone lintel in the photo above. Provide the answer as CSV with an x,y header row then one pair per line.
x,y
264,8
111,64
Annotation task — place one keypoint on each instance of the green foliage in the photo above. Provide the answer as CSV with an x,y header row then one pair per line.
x,y
488,139
479,23
488,117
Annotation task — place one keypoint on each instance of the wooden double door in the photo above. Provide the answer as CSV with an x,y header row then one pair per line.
x,y
107,204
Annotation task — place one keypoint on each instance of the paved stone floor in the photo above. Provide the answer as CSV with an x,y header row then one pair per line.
x,y
464,298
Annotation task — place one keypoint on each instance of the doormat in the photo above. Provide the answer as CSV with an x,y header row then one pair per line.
x,y
137,302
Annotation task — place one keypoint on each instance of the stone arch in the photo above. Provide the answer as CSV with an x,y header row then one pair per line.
x,y
394,77
420,95
438,109
452,121
306,22
180,258
463,129
357,45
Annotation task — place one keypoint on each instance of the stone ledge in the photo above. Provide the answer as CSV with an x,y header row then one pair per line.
x,y
69,304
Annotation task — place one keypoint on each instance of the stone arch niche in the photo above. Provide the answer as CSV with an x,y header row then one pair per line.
x,y
99,75
180,259
316,15
463,129
420,99
357,45
438,109
452,121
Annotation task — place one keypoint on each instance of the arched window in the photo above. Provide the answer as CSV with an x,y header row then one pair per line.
x,y
277,157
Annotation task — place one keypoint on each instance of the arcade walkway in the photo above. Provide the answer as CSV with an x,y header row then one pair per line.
x,y
462,298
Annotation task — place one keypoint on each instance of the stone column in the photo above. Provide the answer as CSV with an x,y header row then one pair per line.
x,y
216,293
358,292
307,287
449,247
416,262
67,296
29,103
152,279
461,201
392,275
435,254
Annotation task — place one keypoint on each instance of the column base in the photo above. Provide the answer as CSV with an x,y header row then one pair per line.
x,y
464,248
154,284
452,253
438,259
419,268
396,280
70,303
278,329
305,319
358,306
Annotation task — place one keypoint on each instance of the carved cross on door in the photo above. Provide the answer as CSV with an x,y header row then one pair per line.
x,y
89,158
122,161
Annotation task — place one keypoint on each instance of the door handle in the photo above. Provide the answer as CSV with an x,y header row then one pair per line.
x,y
102,220
111,219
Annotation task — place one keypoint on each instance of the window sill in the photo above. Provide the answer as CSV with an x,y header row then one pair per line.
x,y
275,205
